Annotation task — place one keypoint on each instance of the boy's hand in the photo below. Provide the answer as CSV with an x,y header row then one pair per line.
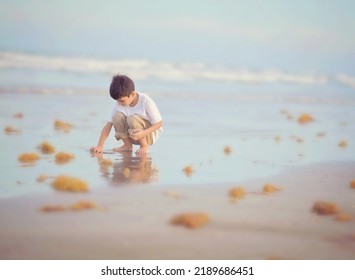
x,y
96,149
136,134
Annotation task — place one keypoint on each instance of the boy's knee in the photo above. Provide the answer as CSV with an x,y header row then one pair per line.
x,y
133,121
118,117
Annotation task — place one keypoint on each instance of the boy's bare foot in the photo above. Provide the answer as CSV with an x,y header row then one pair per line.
x,y
143,150
123,148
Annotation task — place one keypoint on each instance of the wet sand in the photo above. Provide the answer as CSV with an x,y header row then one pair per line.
x,y
257,140
133,222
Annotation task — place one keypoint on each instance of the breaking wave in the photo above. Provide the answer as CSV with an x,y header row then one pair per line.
x,y
143,69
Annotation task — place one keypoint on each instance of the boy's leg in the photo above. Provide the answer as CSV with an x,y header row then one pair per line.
x,y
121,127
136,122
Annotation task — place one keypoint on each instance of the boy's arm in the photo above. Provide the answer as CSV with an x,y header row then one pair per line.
x,y
140,133
103,136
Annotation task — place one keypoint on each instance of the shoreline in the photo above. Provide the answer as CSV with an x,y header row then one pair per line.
x,y
133,222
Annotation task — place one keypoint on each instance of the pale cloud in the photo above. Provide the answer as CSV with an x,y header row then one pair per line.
x,y
319,40
291,37
217,27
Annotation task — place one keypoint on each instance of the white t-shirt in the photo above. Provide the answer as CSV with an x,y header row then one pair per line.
x,y
145,108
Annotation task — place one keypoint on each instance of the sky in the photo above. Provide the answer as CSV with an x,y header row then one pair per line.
x,y
305,37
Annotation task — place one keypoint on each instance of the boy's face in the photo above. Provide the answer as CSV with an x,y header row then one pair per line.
x,y
126,100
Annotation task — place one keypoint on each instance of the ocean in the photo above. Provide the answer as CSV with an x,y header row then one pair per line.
x,y
253,113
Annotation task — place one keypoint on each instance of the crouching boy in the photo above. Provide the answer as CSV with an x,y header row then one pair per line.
x,y
135,118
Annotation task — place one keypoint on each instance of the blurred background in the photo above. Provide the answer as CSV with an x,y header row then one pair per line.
x,y
173,46
220,71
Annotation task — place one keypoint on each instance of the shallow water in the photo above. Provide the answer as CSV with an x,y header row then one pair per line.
x,y
196,130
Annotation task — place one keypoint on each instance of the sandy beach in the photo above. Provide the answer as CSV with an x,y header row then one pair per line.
x,y
255,141
134,222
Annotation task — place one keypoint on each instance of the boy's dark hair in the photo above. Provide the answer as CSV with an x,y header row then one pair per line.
x,y
121,86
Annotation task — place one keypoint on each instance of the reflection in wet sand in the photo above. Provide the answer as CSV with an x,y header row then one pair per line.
x,y
129,169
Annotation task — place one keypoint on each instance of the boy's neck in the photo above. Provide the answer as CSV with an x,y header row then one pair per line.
x,y
135,99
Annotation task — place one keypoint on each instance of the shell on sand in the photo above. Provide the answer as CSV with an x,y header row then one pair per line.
x,y
71,184
10,130
28,157
78,206
305,118
343,144
269,188
325,208
62,157
343,217
83,205
190,220
53,208
188,170
47,148
61,125
227,150
42,178
237,192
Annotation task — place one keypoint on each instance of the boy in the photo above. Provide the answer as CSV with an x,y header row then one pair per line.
x,y
135,117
